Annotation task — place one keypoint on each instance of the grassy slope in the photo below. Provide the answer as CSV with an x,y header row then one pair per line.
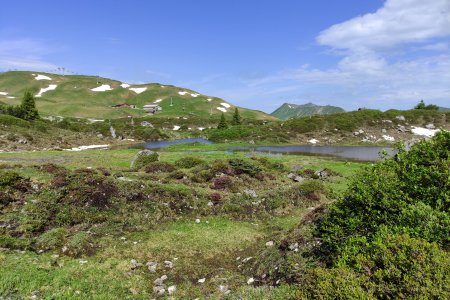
x,y
74,98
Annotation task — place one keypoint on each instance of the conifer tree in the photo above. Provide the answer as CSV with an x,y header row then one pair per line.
x,y
223,123
236,117
28,107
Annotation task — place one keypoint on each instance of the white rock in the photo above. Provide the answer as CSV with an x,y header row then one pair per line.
x,y
424,131
269,244
197,221
168,264
176,127
201,280
313,141
388,138
171,289
250,280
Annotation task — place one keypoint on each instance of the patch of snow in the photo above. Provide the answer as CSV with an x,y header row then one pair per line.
x,y
222,109
95,120
176,127
157,101
125,85
3,93
11,97
51,87
423,131
313,141
81,148
102,88
42,77
201,128
182,93
163,86
225,105
195,95
388,138
209,99
138,90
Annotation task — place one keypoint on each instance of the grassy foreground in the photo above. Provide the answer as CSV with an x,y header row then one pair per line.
x,y
204,227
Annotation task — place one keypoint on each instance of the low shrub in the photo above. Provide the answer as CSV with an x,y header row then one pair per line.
x,y
221,182
159,166
241,166
144,158
189,162
80,244
52,239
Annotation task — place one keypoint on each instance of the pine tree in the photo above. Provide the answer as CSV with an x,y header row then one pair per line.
x,y
421,105
223,123
236,117
28,107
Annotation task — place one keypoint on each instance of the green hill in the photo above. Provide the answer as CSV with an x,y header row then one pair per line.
x,y
76,96
287,110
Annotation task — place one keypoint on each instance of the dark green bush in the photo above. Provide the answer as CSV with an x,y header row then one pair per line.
x,y
189,162
159,166
241,166
386,194
142,160
11,120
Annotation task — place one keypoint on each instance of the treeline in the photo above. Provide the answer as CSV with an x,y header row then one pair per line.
x,y
26,110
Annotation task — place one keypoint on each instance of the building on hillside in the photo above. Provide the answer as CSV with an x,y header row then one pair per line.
x,y
124,105
152,108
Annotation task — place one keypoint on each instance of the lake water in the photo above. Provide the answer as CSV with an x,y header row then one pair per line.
x,y
163,144
362,153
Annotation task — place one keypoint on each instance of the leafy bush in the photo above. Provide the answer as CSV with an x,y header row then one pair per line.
x,y
386,194
241,166
8,178
159,166
189,162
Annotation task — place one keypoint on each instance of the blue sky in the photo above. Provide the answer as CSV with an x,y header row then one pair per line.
x,y
256,54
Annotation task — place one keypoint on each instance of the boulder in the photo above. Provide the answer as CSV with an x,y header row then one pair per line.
x,y
143,158
400,118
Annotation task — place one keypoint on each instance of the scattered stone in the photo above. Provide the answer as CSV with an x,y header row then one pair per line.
x,y
299,178
100,135
135,264
269,244
383,130
400,118
250,193
201,280
293,247
428,126
224,289
401,128
323,173
151,265
168,264
146,124
210,203
23,141
82,262
386,121
291,175
160,281
171,289
246,259
159,290
250,280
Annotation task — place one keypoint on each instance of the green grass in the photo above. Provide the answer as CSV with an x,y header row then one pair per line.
x,y
73,98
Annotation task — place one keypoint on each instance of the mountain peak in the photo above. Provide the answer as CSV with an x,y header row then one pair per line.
x,y
289,110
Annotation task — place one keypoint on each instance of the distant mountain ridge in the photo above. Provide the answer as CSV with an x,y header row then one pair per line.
x,y
289,110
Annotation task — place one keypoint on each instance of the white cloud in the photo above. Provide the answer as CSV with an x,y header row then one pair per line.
x,y
397,22
378,60
24,54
